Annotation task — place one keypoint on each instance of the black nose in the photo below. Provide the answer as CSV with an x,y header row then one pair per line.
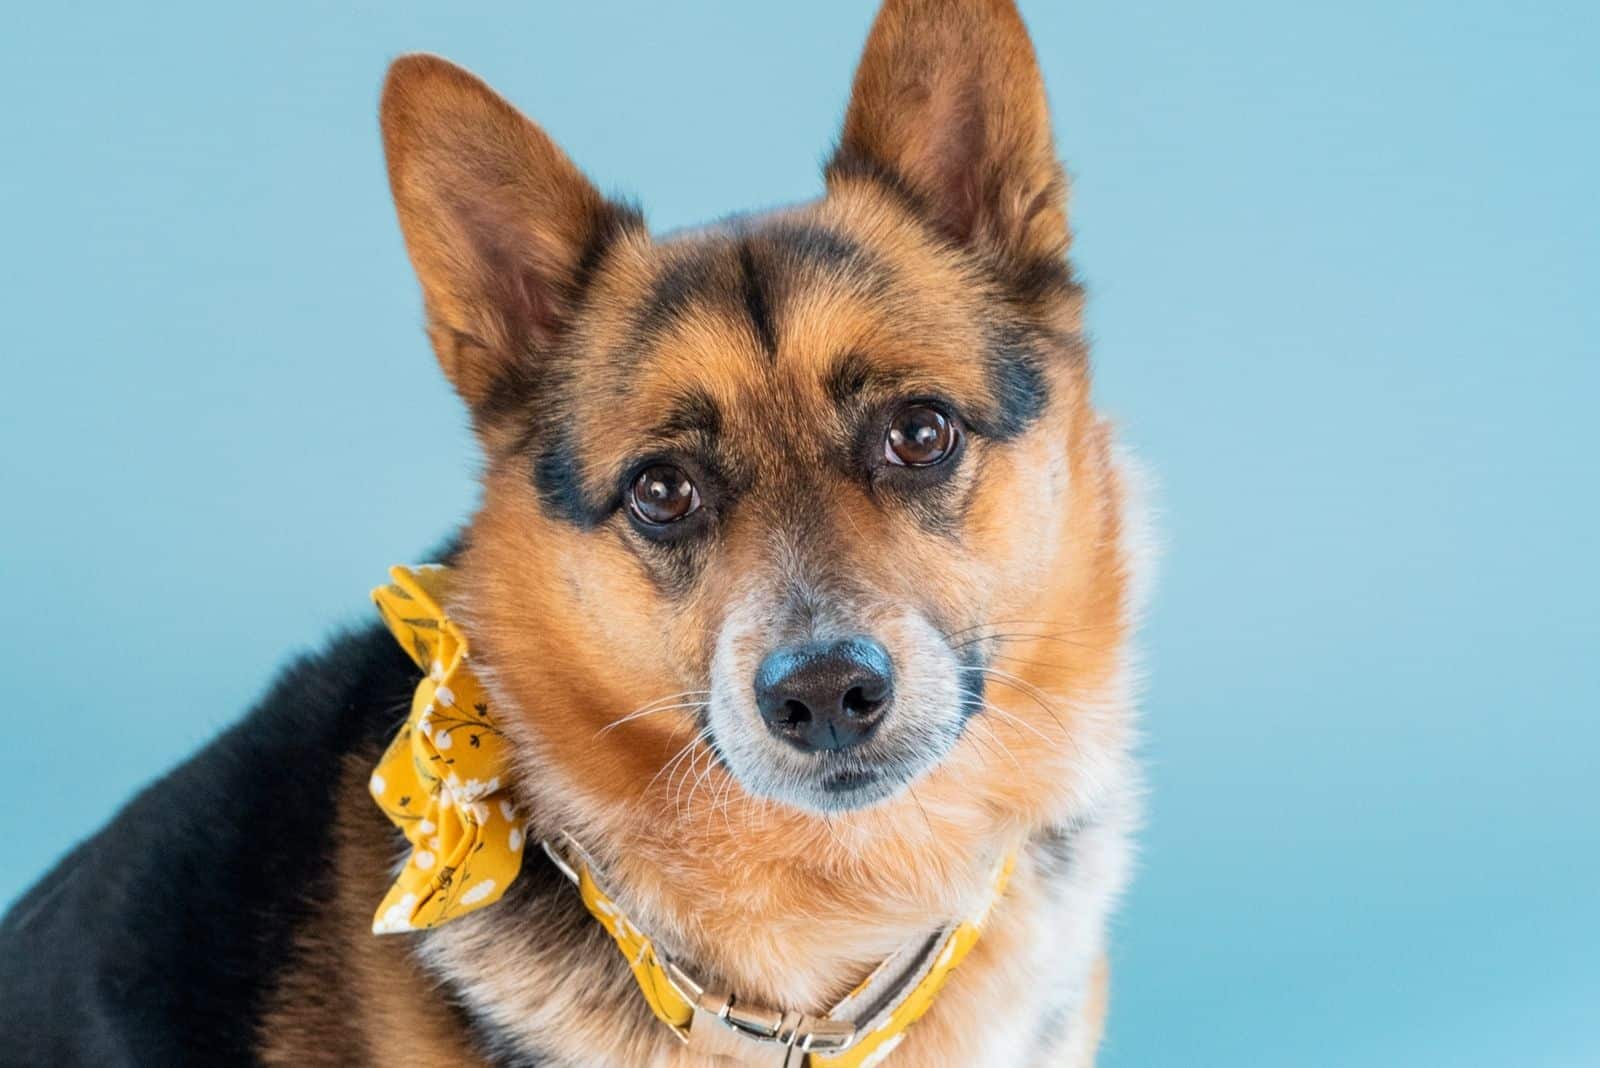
x,y
825,695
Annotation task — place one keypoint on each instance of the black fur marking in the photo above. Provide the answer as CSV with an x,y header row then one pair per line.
x,y
848,378
1032,280
512,393
159,939
678,286
617,219
558,477
1016,380
695,421
853,381
749,271
754,287
850,164
694,414
820,248
1041,279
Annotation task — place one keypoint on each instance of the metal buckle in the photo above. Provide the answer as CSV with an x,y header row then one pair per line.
x,y
810,1034
565,864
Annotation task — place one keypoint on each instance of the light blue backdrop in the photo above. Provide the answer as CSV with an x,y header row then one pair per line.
x,y
1342,261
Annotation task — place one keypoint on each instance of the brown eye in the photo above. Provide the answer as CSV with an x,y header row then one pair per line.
x,y
919,436
663,494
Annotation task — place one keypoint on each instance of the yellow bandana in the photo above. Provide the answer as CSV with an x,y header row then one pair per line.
x,y
440,780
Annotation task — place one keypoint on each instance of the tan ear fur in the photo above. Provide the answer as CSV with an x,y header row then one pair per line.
x,y
500,225
948,101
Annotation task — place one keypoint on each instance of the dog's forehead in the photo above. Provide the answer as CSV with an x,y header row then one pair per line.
x,y
782,310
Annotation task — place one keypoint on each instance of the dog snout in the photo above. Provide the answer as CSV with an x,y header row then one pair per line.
x,y
825,695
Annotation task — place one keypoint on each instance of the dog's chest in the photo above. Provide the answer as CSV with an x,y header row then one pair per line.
x,y
1032,991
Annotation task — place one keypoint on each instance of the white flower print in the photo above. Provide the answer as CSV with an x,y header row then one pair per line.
x,y
473,789
377,785
423,860
396,917
478,892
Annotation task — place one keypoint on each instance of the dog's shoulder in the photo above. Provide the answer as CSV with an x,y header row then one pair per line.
x,y
156,940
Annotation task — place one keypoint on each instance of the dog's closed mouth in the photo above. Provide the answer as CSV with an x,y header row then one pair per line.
x,y
851,779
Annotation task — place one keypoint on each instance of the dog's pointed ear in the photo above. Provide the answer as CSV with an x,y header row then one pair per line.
x,y
501,226
949,104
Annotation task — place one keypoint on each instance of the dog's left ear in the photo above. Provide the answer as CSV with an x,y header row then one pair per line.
x,y
500,224
949,104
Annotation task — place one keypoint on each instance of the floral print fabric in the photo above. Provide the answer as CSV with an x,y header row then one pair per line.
x,y
440,780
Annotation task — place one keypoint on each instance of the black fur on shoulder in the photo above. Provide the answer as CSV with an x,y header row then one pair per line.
x,y
155,941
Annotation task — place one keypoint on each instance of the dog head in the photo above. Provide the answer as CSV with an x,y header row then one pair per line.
x,y
812,502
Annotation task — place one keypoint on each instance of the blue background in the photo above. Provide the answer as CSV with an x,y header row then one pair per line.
x,y
1342,264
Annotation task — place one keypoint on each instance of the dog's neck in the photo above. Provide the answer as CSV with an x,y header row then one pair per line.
x,y
796,934
789,908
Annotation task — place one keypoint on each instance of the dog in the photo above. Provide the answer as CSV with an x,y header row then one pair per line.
x,y
795,625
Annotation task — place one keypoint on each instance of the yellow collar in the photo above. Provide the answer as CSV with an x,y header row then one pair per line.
x,y
440,782
860,1031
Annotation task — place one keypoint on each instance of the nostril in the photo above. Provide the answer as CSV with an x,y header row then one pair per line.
x,y
825,695
795,713
858,704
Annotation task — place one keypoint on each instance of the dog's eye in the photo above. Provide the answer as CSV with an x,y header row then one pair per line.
x,y
663,494
919,436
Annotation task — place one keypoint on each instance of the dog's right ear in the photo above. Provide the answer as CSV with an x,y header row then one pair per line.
x,y
501,226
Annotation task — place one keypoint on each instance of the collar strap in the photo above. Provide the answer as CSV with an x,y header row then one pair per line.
x,y
861,1030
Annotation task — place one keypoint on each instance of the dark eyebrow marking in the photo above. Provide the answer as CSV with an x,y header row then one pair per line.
x,y
756,305
675,288
693,413
1015,372
558,466
815,246
747,269
849,375
558,477
852,375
